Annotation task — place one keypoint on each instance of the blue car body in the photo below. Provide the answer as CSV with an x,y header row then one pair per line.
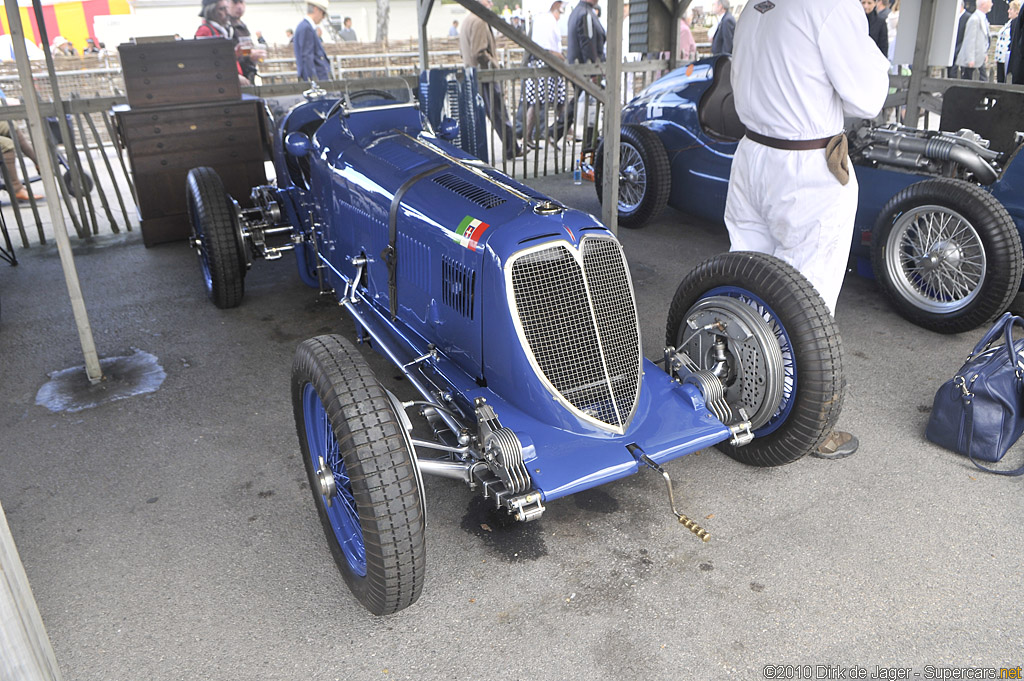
x,y
453,293
701,163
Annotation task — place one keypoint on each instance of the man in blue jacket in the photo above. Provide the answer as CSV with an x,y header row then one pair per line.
x,y
310,57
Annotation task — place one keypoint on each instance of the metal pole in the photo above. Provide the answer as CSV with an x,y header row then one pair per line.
x,y
60,233
27,653
612,118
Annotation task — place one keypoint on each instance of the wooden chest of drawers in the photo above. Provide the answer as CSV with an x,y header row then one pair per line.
x,y
165,143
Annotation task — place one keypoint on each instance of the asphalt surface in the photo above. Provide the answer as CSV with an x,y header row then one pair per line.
x,y
171,535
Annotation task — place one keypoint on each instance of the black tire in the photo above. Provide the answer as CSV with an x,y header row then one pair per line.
x,y
645,177
373,453
87,183
797,321
216,236
968,262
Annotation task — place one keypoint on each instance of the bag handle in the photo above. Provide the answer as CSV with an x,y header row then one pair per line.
x,y
1019,471
1011,351
999,327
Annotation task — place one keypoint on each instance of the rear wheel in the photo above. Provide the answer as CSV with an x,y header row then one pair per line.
x,y
947,255
362,472
216,237
645,177
763,329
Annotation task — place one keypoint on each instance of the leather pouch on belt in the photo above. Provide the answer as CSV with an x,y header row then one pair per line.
x,y
837,154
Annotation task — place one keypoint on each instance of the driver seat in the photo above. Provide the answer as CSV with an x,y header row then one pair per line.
x,y
717,110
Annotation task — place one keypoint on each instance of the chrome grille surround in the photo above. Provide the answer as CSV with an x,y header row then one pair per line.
x,y
575,313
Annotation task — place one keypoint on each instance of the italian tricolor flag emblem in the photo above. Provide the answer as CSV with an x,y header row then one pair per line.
x,y
470,230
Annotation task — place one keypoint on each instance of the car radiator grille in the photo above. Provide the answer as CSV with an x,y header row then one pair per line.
x,y
578,319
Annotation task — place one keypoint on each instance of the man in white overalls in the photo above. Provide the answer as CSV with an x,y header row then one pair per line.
x,y
798,67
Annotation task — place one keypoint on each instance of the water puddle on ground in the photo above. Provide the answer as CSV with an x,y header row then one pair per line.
x,y
69,389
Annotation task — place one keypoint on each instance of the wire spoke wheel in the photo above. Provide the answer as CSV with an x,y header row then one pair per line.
x,y
645,177
362,472
325,456
632,178
947,255
935,256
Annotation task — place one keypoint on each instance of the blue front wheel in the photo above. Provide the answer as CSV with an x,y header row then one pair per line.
x,y
362,472
760,326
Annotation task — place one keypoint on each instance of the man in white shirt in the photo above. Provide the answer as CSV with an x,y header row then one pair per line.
x,y
798,67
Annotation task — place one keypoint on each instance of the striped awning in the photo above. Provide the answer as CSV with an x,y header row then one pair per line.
x,y
72,20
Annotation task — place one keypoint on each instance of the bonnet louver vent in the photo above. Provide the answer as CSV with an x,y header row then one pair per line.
x,y
468,190
457,283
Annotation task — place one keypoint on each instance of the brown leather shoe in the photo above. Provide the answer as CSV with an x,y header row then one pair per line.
x,y
838,445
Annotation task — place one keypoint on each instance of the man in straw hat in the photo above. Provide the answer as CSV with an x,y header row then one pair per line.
x,y
310,57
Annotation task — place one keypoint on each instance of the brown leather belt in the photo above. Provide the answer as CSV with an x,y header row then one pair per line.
x,y
788,145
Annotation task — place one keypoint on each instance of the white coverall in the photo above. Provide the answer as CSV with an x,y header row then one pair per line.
x,y
797,68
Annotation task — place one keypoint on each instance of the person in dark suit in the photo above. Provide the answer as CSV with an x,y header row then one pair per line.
x,y
722,42
1015,63
877,28
961,26
310,56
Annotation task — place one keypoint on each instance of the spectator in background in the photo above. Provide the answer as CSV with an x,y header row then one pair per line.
x,y
966,10
16,189
586,46
687,45
479,50
722,42
310,56
892,21
539,92
260,39
7,49
62,47
90,47
247,52
290,34
1003,41
347,33
977,38
216,20
1015,61
877,29
453,31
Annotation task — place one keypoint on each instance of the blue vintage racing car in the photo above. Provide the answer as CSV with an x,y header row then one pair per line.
x,y
514,319
940,215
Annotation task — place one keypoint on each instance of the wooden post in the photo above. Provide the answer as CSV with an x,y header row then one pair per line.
x,y
46,171
612,118
919,69
27,653
423,8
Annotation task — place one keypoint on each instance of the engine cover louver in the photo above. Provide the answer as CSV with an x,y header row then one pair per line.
x,y
468,190
577,316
